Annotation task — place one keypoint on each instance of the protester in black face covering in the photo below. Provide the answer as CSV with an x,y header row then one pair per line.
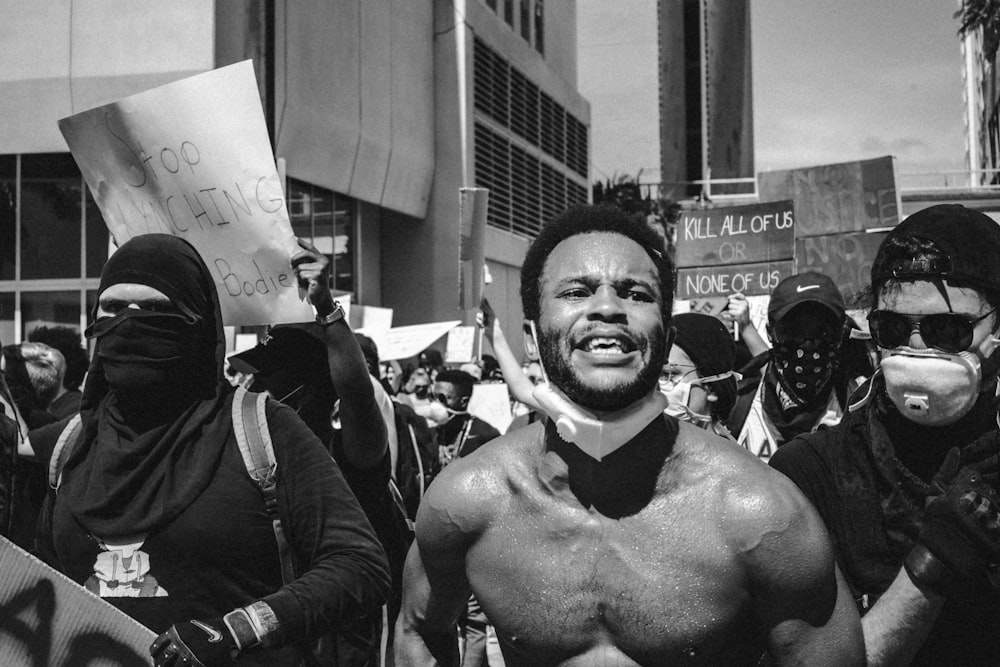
x,y
156,512
790,390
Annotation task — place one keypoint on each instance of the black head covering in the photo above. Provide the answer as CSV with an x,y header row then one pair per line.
x,y
134,473
710,345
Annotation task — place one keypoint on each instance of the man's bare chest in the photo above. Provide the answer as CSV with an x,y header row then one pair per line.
x,y
653,585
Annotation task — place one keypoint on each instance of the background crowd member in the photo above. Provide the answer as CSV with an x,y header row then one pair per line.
x,y
457,432
34,374
13,432
311,367
906,483
67,341
698,378
638,504
156,511
792,388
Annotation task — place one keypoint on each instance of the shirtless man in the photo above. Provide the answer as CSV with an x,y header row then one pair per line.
x,y
643,541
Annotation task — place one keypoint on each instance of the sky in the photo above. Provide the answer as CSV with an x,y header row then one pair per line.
x,y
832,82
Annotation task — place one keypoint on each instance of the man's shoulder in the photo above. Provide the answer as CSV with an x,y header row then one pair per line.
x,y
473,487
742,482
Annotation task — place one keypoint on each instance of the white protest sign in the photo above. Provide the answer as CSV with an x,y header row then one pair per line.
x,y
193,159
408,341
491,402
461,346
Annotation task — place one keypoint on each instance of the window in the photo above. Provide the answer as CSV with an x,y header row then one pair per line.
x,y
492,4
327,220
540,26
8,216
508,12
51,216
53,243
525,20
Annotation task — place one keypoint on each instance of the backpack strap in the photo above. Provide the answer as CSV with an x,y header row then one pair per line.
x,y
64,446
254,439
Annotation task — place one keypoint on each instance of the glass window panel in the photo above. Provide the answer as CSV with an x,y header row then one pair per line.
x,y
300,208
8,216
97,239
49,309
51,192
343,245
525,20
6,318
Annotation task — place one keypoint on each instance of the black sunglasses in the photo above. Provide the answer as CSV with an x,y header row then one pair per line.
x,y
948,332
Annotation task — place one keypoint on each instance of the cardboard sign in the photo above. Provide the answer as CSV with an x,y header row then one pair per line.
x,y
193,159
490,402
461,346
408,341
846,258
48,619
837,198
750,279
736,235
472,246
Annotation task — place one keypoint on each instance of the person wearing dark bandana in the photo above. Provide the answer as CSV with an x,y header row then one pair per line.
x,y
155,511
796,390
907,482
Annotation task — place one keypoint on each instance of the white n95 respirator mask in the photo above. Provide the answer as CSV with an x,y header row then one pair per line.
x,y
931,387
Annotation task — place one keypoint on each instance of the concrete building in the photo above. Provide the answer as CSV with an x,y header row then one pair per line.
x,y
706,97
380,110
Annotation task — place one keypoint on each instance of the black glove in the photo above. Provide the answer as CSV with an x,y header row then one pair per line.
x,y
959,539
199,643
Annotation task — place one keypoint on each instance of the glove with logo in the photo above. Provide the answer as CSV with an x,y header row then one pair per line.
x,y
960,536
215,642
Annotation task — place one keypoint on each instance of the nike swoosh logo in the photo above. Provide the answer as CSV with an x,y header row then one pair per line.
x,y
214,636
803,288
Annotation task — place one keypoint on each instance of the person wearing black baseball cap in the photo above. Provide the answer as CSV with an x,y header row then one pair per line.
x,y
906,483
794,391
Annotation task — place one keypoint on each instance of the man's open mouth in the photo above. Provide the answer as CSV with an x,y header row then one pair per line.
x,y
607,345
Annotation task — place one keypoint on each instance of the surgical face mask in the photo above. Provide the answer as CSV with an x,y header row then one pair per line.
x,y
596,437
931,387
679,395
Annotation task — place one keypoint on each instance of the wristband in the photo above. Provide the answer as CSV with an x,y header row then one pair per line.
x,y
335,316
927,570
265,623
242,629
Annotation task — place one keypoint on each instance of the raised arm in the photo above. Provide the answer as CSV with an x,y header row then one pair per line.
x,y
364,430
738,312
518,384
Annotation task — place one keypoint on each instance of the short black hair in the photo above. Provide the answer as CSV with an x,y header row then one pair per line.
x,y
460,379
586,219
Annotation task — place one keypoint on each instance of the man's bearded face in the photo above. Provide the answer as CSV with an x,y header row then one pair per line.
x,y
601,335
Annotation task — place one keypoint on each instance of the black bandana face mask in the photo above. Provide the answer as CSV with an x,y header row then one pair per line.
x,y
804,367
140,349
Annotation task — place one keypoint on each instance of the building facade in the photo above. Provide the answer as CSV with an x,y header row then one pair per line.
x,y
706,96
378,111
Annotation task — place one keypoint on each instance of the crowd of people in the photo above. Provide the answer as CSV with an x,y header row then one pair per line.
x,y
669,488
